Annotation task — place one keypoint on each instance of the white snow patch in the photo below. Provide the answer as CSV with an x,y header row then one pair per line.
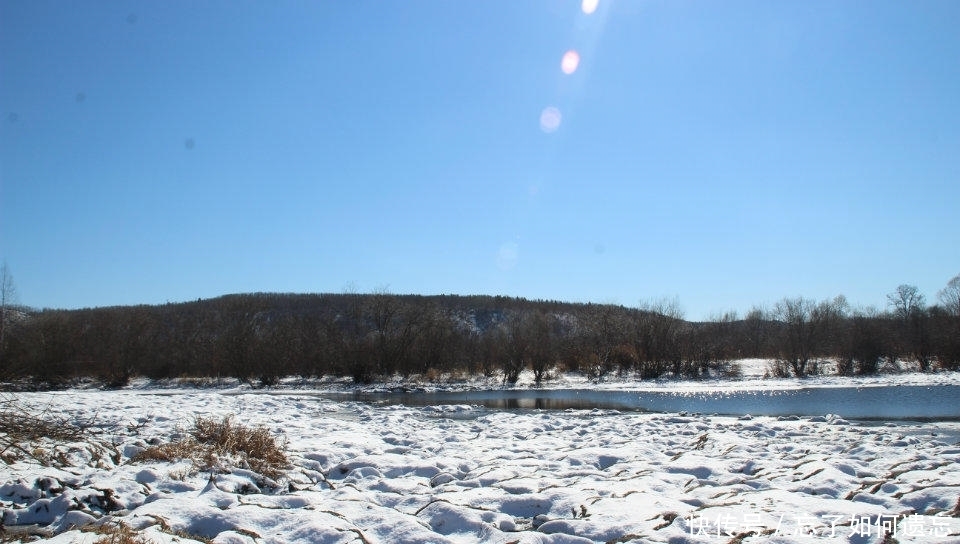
x,y
457,474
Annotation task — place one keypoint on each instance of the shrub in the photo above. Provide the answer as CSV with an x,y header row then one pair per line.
x,y
119,534
210,440
23,434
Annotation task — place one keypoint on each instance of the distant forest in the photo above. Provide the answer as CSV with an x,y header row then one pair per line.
x,y
259,338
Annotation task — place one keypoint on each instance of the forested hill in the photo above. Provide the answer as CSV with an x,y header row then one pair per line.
x,y
261,337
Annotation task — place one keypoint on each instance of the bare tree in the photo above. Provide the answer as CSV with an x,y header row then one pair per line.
x,y
807,324
542,350
865,343
657,337
906,301
757,332
910,309
603,330
492,349
8,297
710,345
395,325
949,296
8,291
518,349
948,326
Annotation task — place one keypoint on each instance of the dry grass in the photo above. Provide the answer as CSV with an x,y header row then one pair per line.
x,y
26,435
211,440
119,534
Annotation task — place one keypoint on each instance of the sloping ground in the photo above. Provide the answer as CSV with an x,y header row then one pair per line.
x,y
458,474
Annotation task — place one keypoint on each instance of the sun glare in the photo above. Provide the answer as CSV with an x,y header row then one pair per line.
x,y
508,255
589,6
550,119
570,62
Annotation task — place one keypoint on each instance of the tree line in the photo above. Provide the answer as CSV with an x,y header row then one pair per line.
x,y
261,337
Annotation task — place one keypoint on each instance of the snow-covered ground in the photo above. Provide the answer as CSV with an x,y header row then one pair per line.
x,y
361,473
752,375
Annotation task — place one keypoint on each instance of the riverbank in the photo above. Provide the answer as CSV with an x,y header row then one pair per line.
x,y
750,375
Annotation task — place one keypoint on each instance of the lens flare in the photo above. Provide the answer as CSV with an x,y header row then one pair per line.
x,y
570,62
589,6
508,255
550,119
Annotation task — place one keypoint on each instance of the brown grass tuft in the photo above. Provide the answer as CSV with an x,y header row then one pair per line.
x,y
212,439
27,435
118,534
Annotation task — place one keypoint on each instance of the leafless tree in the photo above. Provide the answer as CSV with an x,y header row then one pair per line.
x,y
710,345
806,326
543,345
492,349
8,297
757,332
906,301
910,309
660,330
949,296
948,325
437,345
603,329
518,349
396,324
865,343
265,336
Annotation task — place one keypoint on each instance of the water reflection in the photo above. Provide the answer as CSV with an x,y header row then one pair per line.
x,y
864,403
543,403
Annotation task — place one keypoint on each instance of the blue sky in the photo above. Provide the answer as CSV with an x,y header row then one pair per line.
x,y
724,153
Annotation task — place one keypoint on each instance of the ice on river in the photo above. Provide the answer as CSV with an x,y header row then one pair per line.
x,y
362,473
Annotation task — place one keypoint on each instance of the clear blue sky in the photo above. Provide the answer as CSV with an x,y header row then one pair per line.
x,y
724,153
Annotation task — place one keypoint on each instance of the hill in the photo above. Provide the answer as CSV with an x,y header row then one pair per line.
x,y
263,336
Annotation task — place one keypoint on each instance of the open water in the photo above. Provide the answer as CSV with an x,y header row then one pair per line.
x,y
916,403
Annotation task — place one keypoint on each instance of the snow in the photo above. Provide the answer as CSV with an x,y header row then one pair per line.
x,y
754,375
460,473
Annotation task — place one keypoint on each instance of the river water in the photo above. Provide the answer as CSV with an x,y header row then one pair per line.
x,y
916,403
